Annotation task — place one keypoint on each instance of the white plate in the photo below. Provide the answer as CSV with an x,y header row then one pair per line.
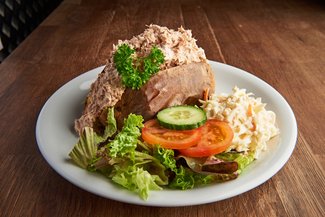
x,y
55,138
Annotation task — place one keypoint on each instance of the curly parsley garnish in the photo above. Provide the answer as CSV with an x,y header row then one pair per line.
x,y
136,72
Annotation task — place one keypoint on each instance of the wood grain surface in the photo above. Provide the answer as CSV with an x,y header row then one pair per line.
x,y
282,42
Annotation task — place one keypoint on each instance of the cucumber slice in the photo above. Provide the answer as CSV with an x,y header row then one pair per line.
x,y
181,117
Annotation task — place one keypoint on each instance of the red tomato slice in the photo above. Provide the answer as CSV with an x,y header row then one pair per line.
x,y
153,133
216,138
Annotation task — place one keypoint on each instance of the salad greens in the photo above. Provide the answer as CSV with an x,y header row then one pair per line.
x,y
86,148
125,142
122,157
243,160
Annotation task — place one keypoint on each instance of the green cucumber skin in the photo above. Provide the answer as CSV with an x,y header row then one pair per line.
x,y
181,127
161,118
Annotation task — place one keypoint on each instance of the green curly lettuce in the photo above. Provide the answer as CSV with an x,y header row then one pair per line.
x,y
126,141
183,178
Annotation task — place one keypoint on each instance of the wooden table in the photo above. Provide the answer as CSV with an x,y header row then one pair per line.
x,y
282,42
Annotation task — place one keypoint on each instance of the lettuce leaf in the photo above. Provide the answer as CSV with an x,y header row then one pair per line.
x,y
183,178
138,171
126,141
152,165
243,159
85,149
111,126
136,179
165,156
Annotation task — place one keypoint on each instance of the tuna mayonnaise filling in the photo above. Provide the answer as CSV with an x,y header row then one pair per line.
x,y
178,47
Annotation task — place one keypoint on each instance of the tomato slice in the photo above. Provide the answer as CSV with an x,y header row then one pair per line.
x,y
153,133
216,138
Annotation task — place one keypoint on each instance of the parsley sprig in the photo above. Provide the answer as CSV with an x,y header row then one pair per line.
x,y
135,72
